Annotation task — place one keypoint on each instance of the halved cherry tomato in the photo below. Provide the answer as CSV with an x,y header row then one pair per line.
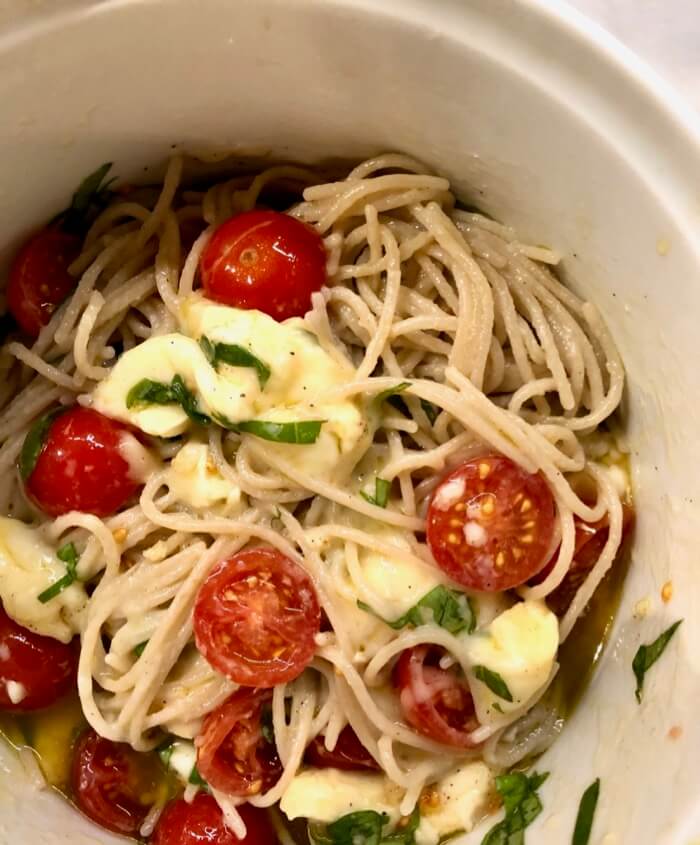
x,y
349,753
111,783
202,822
435,701
43,669
265,260
256,618
490,524
232,753
73,461
39,279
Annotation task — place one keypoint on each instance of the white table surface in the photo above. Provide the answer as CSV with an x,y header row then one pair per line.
x,y
665,33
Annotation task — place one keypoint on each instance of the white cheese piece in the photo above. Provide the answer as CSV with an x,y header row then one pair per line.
x,y
142,462
194,479
183,759
325,795
28,566
16,692
458,803
521,646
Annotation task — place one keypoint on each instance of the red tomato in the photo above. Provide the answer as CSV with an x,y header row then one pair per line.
x,y
256,617
110,781
349,753
39,279
77,464
436,702
490,524
202,822
232,753
43,666
264,260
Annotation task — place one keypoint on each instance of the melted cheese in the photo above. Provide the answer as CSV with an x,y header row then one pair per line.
x,y
521,646
325,795
457,803
28,566
193,478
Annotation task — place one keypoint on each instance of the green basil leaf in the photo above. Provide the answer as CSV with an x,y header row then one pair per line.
x,y
69,555
447,608
648,654
431,411
301,433
92,196
235,356
405,832
56,588
382,488
140,648
195,778
361,828
188,401
165,752
34,443
521,804
586,811
494,682
149,392
90,189
391,391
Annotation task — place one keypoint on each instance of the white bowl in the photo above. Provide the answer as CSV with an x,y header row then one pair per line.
x,y
545,121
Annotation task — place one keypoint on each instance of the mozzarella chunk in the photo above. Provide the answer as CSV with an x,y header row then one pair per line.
x,y
325,795
194,479
520,644
28,565
458,802
183,759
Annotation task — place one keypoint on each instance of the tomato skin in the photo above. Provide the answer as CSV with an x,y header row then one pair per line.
x,y
232,753
490,524
434,701
39,280
105,783
80,466
256,618
45,667
265,260
202,823
349,753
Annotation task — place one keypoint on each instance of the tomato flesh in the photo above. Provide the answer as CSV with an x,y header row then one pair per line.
x,y
349,753
202,822
490,524
256,618
232,753
435,701
80,466
110,781
264,260
39,280
43,668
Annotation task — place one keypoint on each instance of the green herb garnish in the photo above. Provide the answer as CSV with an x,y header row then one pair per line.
x,y
301,433
195,778
586,811
140,648
494,682
522,806
647,655
34,443
447,608
149,392
165,752
70,557
92,196
365,827
431,411
391,391
382,488
235,356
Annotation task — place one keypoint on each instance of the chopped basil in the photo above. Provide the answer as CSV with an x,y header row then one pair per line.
x,y
165,752
93,194
431,411
494,682
236,356
365,827
301,433
195,778
391,391
447,608
140,648
69,556
586,811
149,392
647,655
393,397
382,487
521,804
34,443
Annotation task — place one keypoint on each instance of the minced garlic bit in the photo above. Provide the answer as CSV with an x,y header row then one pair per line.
x,y
667,591
642,608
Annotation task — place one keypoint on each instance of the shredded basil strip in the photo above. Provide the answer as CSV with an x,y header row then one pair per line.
x,y
431,411
69,555
93,194
391,391
494,682
149,392
236,356
522,805
586,811
382,488
648,654
447,608
165,752
34,443
195,778
365,827
301,433
140,648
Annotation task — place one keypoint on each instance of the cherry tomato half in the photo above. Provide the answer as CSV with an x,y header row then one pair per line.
x,y
256,617
490,524
43,669
39,279
349,753
264,260
110,782
436,702
72,461
232,753
202,823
